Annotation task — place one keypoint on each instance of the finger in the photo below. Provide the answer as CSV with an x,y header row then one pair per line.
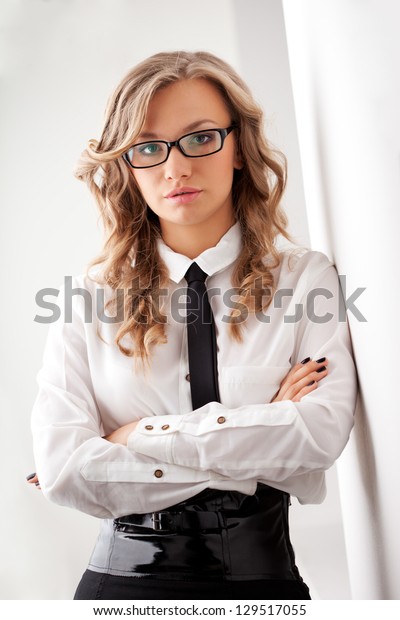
x,y
314,376
287,381
300,371
304,391
298,381
32,478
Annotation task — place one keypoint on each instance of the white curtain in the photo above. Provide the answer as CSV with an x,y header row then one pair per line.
x,y
345,64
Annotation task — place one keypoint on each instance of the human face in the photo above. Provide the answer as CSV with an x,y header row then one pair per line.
x,y
207,209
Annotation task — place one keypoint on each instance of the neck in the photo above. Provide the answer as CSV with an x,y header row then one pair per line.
x,y
193,240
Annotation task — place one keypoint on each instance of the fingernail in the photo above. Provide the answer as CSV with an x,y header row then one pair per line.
x,y
37,484
31,476
322,359
311,383
307,359
321,369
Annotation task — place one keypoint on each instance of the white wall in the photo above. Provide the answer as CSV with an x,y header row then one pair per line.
x,y
61,60
345,64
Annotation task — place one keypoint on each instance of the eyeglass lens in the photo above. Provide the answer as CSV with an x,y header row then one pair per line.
x,y
194,145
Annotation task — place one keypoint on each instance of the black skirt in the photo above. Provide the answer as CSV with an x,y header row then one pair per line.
x,y
217,545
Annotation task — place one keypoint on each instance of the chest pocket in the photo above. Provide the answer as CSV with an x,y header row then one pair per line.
x,y
249,385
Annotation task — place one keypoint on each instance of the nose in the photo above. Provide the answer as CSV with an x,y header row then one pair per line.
x,y
177,165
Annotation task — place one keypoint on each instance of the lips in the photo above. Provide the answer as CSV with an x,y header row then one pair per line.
x,y
183,195
182,191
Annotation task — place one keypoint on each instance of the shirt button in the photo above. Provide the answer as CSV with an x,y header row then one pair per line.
x,y
149,427
158,473
165,427
221,419
187,377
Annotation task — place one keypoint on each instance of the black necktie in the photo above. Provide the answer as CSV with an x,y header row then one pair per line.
x,y
202,342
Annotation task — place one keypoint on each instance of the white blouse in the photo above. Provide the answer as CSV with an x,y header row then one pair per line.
x,y
88,388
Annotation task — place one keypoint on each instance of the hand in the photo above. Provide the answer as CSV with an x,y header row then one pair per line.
x,y
120,435
33,479
302,379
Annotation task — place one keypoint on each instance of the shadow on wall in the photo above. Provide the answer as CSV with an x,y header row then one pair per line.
x,y
366,458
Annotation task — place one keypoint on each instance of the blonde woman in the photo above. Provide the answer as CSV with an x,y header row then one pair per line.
x,y
188,442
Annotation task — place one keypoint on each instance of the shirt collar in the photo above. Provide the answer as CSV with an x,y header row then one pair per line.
x,y
211,260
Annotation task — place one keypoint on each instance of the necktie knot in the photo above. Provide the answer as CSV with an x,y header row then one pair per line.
x,y
195,274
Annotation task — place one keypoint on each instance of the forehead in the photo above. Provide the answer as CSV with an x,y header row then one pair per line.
x,y
182,104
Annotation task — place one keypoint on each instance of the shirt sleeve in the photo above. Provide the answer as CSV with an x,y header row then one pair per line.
x,y
275,443
75,465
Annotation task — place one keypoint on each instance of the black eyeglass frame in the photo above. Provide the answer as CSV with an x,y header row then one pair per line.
x,y
222,132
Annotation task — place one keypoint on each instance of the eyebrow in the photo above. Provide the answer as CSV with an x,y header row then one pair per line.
x,y
191,127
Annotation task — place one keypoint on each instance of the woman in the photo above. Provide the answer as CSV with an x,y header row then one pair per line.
x,y
186,428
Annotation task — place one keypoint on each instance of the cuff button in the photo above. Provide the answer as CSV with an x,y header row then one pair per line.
x,y
158,473
149,427
165,427
221,419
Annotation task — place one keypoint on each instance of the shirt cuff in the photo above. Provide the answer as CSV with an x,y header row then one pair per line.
x,y
153,436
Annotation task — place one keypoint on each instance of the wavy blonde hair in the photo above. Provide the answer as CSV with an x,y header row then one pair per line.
x,y
130,259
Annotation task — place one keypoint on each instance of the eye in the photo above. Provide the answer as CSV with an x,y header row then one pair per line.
x,y
198,139
150,148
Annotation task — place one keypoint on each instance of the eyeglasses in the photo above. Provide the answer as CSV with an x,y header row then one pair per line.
x,y
195,144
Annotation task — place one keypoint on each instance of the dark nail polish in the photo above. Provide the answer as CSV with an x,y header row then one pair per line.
x,y
31,476
321,369
311,383
322,359
307,359
37,484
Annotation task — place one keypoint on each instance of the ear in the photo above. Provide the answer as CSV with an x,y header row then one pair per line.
x,y
237,160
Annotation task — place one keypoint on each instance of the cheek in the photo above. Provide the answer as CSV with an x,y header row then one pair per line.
x,y
224,176
146,184
221,169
